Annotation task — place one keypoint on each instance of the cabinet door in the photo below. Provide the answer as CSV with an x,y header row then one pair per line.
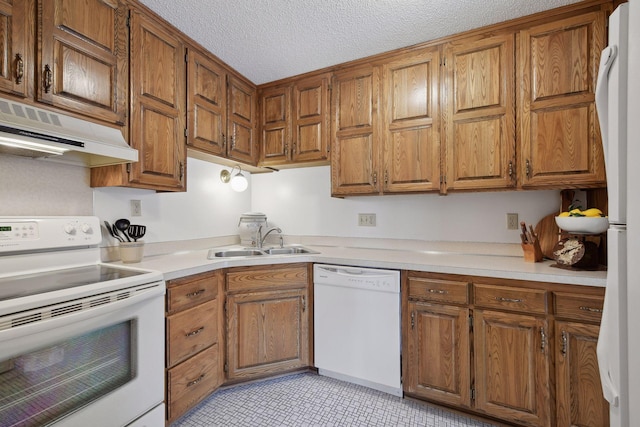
x,y
241,100
579,398
411,133
267,333
355,146
275,124
512,367
206,104
561,143
311,119
16,49
83,64
158,105
480,113
438,366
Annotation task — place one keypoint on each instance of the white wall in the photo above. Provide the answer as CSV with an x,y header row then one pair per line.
x,y
208,208
300,202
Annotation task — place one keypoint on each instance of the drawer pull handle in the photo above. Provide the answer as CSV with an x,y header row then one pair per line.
x,y
590,309
438,291
503,299
195,294
19,68
48,78
194,332
196,381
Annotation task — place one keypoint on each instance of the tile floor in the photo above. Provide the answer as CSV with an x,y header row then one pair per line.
x,y
306,399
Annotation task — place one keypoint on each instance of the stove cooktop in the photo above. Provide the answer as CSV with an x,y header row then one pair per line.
x,y
49,281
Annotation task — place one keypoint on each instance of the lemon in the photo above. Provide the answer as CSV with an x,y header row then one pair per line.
x,y
592,212
564,214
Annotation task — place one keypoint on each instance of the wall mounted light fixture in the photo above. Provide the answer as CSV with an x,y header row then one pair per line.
x,y
238,181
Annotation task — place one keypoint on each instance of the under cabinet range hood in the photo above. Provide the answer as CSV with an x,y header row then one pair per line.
x,y
29,131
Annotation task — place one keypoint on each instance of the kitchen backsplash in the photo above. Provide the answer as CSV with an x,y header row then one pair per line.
x,y
297,200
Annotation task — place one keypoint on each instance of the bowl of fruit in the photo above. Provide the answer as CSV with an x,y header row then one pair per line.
x,y
578,221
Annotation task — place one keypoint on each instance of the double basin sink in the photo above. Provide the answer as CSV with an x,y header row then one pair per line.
x,y
250,252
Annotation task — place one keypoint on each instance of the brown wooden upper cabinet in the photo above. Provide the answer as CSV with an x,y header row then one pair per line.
x,y
220,110
17,35
83,57
294,122
355,137
411,127
479,124
558,64
241,118
158,104
81,60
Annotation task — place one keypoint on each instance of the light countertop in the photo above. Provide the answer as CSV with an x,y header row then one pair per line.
x,y
475,259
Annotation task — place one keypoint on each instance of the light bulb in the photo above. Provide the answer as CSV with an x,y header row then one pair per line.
x,y
239,182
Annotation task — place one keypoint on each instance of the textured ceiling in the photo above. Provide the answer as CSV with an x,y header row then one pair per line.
x,y
266,40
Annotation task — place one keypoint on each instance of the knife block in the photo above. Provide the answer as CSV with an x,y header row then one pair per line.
x,y
532,251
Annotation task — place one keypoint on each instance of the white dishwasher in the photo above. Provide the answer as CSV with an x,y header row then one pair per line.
x,y
357,325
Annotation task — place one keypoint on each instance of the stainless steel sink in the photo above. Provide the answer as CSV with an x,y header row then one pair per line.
x,y
290,250
250,252
236,252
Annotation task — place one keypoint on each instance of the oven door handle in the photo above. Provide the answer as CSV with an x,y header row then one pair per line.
x,y
77,321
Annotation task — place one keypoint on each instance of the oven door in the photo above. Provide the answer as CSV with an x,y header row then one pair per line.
x,y
97,361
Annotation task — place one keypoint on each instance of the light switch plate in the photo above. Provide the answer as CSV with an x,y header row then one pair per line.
x,y
512,221
136,208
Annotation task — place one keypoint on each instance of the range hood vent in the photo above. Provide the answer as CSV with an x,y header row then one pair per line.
x,y
29,131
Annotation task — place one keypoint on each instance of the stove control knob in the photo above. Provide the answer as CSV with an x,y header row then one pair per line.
x,y
70,229
86,228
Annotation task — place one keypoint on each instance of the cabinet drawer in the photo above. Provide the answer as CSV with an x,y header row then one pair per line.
x,y
191,291
579,307
191,381
191,330
510,298
268,278
439,290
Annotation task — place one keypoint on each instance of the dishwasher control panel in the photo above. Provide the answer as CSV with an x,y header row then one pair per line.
x,y
355,277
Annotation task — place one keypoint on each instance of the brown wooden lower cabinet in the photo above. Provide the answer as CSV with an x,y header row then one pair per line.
x,y
193,341
268,313
521,352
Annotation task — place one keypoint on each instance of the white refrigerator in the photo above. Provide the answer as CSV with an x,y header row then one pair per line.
x,y
619,115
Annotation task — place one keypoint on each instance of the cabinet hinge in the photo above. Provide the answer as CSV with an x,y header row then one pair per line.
x,y
226,367
128,167
471,322
473,393
128,23
186,132
186,57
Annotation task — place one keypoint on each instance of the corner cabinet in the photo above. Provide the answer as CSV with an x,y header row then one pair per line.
x,y
521,352
268,315
294,122
193,340
561,143
241,117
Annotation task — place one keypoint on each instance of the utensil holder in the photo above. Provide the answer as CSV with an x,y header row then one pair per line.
x,y
131,252
532,251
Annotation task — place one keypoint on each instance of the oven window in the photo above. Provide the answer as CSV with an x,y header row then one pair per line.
x,y
45,385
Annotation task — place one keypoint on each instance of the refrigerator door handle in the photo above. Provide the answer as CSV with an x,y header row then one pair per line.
x,y
607,58
608,388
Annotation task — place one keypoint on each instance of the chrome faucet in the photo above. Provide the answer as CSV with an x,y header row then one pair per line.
x,y
260,238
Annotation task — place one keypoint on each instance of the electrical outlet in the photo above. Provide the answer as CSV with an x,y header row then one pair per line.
x,y
367,220
136,208
512,221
